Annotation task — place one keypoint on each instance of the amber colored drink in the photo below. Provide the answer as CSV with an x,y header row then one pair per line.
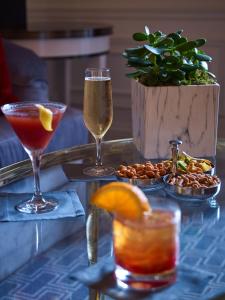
x,y
98,114
147,247
28,127
98,108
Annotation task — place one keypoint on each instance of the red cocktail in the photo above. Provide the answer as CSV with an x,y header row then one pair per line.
x,y
28,127
35,124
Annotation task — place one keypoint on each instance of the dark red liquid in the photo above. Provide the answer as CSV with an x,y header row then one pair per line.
x,y
151,268
29,129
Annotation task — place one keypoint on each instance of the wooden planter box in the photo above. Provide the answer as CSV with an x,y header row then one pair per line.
x,y
189,113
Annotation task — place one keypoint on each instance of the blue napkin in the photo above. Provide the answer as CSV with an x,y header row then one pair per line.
x,y
69,206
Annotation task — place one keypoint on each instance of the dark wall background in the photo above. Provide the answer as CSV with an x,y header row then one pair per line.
x,y
13,14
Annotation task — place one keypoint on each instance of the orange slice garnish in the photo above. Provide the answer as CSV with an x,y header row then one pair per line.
x,y
124,199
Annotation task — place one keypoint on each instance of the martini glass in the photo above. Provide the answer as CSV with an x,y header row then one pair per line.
x,y
27,122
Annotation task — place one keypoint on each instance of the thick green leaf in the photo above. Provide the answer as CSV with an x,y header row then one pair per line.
x,y
144,70
189,67
200,42
153,59
159,34
203,57
174,36
172,59
165,42
154,50
136,62
212,75
176,53
171,62
147,31
133,74
138,51
203,65
139,36
186,46
177,75
151,38
181,40
180,74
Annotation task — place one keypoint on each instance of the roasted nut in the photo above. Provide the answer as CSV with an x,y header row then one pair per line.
x,y
144,171
195,181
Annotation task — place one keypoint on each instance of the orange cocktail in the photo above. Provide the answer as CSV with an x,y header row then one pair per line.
x,y
146,251
145,235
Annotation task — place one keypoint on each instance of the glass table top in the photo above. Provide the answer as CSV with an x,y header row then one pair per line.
x,y
37,257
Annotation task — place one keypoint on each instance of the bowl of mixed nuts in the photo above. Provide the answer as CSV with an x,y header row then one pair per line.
x,y
195,186
145,175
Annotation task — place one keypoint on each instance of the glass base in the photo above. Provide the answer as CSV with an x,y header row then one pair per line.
x,y
129,280
37,206
99,171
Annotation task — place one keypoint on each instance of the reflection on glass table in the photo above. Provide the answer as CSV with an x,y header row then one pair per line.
x,y
40,261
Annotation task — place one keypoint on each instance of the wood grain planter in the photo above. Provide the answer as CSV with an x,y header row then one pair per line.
x,y
189,113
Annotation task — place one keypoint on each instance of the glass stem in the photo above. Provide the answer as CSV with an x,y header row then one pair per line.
x,y
98,151
35,157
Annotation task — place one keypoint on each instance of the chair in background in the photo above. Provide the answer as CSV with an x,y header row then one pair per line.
x,y
23,77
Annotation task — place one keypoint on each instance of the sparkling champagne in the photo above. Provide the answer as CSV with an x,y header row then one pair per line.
x,y
98,108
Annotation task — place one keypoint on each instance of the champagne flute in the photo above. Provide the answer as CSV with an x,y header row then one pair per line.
x,y
35,124
98,113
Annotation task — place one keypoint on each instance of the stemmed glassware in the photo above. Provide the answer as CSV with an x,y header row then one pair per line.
x,y
98,113
35,124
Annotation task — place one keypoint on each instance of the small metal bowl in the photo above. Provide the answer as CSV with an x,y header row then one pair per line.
x,y
188,193
144,184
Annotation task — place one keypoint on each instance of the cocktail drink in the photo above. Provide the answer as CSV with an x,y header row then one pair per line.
x,y
26,123
35,124
98,113
145,235
146,251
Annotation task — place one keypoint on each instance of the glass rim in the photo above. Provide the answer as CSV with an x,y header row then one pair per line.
x,y
175,219
6,108
105,69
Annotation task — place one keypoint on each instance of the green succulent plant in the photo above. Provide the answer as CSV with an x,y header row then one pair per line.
x,y
170,59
